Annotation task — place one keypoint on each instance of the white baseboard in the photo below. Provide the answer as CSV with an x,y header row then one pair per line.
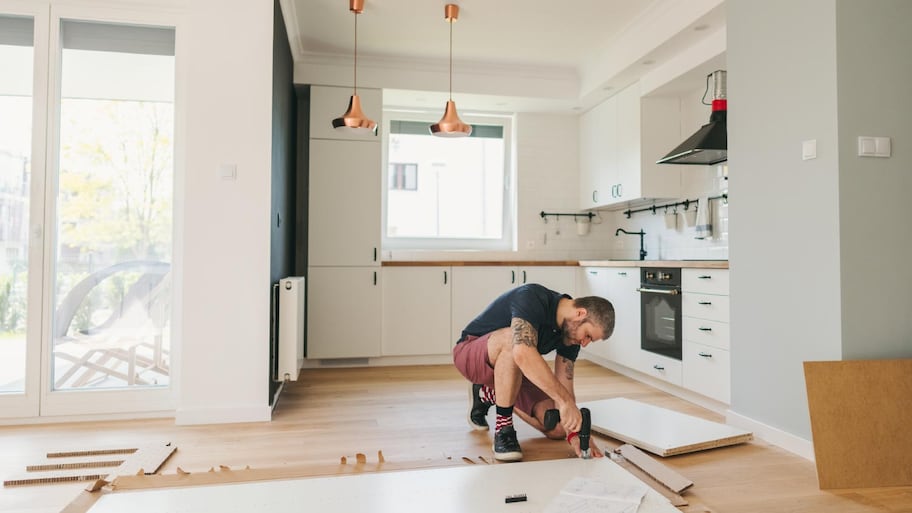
x,y
228,415
383,361
791,443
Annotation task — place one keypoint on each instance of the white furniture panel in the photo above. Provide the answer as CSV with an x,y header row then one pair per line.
x,y
416,311
706,281
328,103
711,333
659,430
707,371
458,489
343,312
344,203
598,155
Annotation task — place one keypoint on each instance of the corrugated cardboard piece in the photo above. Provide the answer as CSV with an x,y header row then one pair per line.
x,y
861,421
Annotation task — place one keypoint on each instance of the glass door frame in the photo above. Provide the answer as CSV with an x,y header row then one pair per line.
x,y
40,400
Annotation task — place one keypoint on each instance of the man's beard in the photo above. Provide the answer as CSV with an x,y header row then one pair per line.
x,y
568,328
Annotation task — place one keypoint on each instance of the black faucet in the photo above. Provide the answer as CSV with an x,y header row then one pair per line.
x,y
641,233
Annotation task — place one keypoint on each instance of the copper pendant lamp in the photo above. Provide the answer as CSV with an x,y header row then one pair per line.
x,y
450,125
354,121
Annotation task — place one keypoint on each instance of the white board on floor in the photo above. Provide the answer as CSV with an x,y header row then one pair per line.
x,y
659,430
442,490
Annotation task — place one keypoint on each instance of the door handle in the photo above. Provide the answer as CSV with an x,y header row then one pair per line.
x,y
658,367
701,328
704,303
524,276
705,277
444,277
705,355
672,292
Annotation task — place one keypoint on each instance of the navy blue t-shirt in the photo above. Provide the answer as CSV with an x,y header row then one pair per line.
x,y
536,305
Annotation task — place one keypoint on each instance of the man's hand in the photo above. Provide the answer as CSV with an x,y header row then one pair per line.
x,y
593,449
571,418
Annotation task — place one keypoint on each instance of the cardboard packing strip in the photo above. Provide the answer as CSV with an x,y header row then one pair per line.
x,y
860,421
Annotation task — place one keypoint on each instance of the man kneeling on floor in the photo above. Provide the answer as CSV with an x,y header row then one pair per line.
x,y
500,353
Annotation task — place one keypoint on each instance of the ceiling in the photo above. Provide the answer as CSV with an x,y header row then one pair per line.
x,y
571,40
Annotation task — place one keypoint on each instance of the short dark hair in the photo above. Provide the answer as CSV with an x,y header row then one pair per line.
x,y
599,311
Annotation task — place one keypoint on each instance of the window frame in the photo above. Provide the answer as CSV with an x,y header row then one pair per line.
x,y
506,242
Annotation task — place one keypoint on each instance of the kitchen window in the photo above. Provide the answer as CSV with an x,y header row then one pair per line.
x,y
447,193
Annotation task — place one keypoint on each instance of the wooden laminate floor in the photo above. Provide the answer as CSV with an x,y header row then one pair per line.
x,y
417,417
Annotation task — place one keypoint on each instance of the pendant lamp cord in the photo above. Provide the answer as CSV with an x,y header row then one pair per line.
x,y
451,58
356,54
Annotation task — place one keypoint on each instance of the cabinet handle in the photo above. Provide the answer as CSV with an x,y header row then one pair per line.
x,y
375,254
705,277
658,367
444,277
512,276
593,273
622,273
701,328
595,196
705,355
620,187
375,277
524,276
705,303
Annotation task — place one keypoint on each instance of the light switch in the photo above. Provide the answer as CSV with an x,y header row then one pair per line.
x,y
227,171
809,149
873,146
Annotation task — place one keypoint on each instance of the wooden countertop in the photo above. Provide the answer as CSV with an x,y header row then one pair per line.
x,y
467,263
694,264
690,264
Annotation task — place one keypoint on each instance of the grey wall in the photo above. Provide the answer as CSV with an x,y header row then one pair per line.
x,y
875,72
810,277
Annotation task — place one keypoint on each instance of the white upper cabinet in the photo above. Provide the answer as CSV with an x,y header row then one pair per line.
x,y
620,140
328,103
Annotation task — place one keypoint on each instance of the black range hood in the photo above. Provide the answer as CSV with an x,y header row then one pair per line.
x,y
709,145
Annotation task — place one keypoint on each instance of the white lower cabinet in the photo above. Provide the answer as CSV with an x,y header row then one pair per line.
x,y
707,371
474,287
661,367
416,311
707,367
343,312
618,285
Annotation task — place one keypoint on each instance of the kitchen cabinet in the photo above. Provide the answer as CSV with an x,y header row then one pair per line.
x,y
706,360
598,155
618,285
620,140
328,103
416,311
343,312
344,203
474,287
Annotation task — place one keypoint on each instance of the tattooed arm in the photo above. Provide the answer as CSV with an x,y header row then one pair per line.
x,y
536,369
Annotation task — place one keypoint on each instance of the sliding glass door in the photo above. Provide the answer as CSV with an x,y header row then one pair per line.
x,y
23,87
85,273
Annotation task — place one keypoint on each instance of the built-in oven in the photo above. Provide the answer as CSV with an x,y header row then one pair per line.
x,y
660,311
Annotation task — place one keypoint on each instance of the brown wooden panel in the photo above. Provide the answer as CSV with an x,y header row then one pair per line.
x,y
861,422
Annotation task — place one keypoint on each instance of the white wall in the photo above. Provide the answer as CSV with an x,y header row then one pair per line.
x,y
227,54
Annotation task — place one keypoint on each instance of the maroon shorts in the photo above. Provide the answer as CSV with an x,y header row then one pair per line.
x,y
471,359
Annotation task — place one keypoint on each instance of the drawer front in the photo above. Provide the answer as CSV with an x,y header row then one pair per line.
x,y
711,333
705,306
661,367
706,281
707,371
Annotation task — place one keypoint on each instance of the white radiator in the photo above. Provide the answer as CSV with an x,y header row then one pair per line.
x,y
291,327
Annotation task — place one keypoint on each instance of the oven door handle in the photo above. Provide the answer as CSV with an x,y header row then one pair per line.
x,y
671,292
